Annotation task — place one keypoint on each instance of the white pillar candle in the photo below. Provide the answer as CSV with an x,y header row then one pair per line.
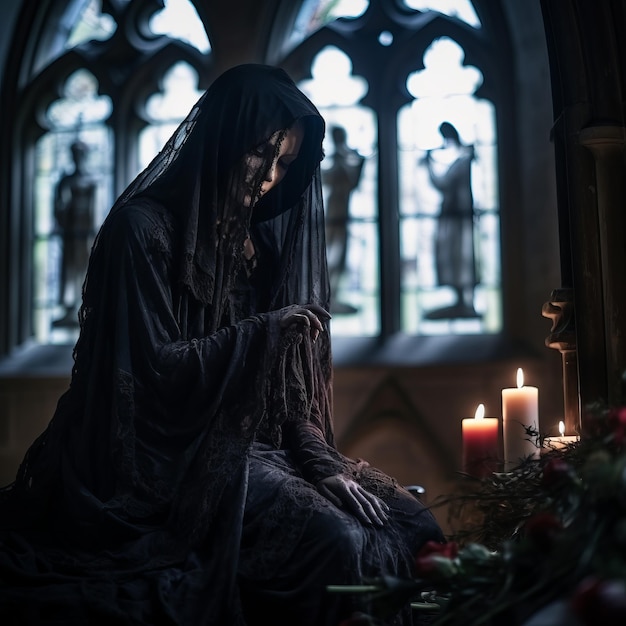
x,y
520,410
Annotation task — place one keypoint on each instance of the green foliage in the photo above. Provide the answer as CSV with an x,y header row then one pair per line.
x,y
552,529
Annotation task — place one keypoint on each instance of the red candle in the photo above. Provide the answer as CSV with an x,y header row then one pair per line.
x,y
480,444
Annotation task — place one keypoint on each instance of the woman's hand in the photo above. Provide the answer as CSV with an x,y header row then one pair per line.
x,y
347,493
309,315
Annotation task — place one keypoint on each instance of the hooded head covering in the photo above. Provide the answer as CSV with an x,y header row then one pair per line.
x,y
200,174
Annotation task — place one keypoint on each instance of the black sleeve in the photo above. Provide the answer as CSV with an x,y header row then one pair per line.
x,y
314,456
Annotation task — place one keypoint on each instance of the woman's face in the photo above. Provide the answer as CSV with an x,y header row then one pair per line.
x,y
286,155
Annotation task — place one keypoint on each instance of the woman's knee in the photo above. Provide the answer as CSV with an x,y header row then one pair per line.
x,y
337,532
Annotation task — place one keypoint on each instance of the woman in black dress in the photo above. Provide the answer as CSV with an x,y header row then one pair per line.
x,y
189,474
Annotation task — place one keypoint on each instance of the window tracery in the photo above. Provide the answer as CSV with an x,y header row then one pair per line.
x,y
381,53
119,118
391,74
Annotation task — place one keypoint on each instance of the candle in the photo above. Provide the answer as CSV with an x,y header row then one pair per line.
x,y
520,410
480,443
554,443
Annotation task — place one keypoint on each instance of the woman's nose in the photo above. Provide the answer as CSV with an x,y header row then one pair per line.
x,y
271,173
273,177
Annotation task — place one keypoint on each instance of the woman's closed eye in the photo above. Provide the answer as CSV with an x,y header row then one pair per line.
x,y
285,163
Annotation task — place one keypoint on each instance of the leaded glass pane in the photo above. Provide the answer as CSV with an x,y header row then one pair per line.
x,y
314,14
72,192
85,21
179,19
450,226
349,175
166,110
461,9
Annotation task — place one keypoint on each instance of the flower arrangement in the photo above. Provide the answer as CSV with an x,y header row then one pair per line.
x,y
543,544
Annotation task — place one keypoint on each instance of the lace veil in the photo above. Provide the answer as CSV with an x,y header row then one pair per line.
x,y
199,177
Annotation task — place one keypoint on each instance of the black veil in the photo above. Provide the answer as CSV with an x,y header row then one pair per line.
x,y
197,176
145,456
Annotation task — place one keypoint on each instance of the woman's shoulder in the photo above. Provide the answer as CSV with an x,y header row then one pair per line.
x,y
144,221
139,212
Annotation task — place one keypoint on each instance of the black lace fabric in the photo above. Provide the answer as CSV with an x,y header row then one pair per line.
x,y
176,480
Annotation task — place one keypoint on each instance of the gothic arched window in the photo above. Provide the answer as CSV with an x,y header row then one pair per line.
x,y
412,194
106,82
108,119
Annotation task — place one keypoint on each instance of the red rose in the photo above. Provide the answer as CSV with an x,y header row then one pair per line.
x,y
555,471
429,558
542,529
449,549
617,423
598,601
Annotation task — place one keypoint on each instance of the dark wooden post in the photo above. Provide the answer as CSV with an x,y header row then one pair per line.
x,y
606,142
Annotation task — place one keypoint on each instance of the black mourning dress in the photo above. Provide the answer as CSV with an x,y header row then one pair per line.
x,y
175,483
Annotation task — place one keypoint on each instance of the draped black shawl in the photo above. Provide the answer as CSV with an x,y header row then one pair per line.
x,y
130,503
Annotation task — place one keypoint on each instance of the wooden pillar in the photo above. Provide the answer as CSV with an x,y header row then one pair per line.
x,y
606,143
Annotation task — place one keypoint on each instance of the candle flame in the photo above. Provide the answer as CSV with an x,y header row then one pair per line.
x,y
562,428
520,378
480,412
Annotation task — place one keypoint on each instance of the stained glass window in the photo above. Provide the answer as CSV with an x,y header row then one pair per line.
x,y
382,284
349,174
73,190
75,182
447,251
449,208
